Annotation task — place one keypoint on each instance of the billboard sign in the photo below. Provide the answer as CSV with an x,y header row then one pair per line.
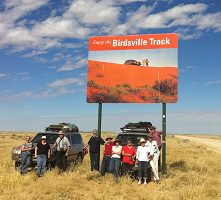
x,y
133,69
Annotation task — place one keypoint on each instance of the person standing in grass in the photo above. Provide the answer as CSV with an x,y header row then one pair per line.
x,y
115,158
63,148
153,156
42,152
142,160
157,137
107,156
128,153
26,151
94,143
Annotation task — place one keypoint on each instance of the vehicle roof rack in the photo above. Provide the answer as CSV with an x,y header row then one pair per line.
x,y
141,127
59,127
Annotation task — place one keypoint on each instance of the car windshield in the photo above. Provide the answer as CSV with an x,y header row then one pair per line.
x,y
51,138
135,139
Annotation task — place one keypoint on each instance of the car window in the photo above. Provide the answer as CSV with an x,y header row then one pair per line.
x,y
51,138
76,139
135,139
68,136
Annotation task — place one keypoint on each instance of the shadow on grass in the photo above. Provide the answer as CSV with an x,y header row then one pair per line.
x,y
179,165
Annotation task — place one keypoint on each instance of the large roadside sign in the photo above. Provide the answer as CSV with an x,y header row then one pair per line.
x,y
133,69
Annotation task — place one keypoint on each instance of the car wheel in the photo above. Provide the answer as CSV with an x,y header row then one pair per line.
x,y
17,165
79,158
50,166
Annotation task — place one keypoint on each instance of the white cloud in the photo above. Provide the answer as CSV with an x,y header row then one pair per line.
x,y
34,53
213,82
59,27
209,21
2,75
72,66
128,1
15,9
188,20
83,18
52,93
66,82
93,12
19,96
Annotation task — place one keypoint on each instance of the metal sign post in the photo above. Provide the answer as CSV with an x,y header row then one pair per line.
x,y
99,122
99,118
164,167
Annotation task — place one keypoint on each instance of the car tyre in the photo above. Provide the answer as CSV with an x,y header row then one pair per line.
x,y
79,158
17,165
50,166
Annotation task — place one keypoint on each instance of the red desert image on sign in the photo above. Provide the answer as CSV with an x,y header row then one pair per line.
x,y
123,83
134,71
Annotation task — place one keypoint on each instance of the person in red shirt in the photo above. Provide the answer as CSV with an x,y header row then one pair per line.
x,y
107,156
128,161
156,135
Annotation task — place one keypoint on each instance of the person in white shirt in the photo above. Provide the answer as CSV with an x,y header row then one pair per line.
x,y
154,156
63,147
142,160
115,159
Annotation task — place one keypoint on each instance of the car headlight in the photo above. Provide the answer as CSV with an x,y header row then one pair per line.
x,y
16,151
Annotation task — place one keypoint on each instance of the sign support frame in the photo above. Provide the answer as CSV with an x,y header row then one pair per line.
x,y
164,167
99,119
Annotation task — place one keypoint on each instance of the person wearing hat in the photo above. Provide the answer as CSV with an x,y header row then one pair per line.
x,y
63,148
156,135
26,151
115,160
142,160
107,155
94,143
128,153
42,152
66,129
153,156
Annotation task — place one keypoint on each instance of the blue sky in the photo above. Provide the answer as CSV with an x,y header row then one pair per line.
x,y
43,68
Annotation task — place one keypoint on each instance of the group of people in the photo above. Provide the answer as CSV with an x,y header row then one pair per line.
x,y
146,156
42,151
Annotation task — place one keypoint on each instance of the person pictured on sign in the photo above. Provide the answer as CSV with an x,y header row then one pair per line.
x,y
142,160
63,147
94,143
107,156
128,160
153,156
116,158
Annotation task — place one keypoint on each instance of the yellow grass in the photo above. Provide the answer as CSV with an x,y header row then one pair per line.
x,y
193,173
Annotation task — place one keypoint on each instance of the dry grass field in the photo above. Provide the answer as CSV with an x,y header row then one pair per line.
x,y
194,172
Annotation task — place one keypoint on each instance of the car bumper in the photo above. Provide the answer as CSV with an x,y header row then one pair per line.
x,y
17,158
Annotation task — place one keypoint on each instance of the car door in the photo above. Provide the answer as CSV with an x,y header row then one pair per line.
x,y
76,144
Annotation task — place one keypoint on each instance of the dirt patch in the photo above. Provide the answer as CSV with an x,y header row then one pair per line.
x,y
211,144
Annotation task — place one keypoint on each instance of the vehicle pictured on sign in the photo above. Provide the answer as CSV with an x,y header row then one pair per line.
x,y
132,62
134,132
76,154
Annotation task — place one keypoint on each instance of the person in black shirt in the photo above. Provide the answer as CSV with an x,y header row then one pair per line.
x,y
42,152
94,143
